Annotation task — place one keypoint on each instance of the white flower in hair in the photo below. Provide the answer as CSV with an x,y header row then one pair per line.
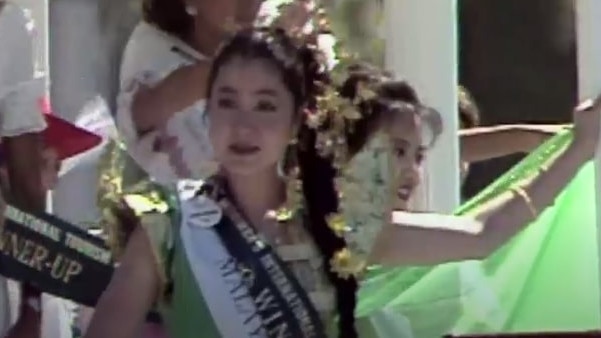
x,y
271,9
326,43
367,191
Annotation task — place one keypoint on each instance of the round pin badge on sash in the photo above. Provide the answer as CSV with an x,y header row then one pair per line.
x,y
202,212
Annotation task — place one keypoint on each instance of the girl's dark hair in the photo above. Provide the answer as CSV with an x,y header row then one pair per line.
x,y
304,77
469,114
169,15
392,97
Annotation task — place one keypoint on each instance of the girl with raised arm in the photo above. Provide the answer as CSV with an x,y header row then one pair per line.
x,y
410,135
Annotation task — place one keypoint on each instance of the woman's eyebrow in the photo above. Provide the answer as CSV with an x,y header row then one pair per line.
x,y
267,91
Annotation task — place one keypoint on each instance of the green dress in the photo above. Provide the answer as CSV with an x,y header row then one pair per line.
x,y
184,306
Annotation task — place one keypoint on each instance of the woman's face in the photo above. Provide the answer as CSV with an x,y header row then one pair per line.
x,y
405,131
251,116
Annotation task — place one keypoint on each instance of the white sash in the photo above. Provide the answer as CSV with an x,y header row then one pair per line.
x,y
231,307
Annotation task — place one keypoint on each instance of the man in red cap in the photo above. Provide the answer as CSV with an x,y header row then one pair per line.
x,y
60,141
23,131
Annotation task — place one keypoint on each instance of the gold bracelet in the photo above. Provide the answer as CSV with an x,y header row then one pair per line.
x,y
542,169
524,195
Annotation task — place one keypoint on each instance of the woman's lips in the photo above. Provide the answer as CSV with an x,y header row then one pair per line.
x,y
243,149
404,193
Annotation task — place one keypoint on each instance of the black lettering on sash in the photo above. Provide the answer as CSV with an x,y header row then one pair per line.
x,y
265,300
280,331
228,267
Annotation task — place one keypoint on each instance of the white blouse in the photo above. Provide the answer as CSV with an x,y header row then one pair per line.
x,y
150,56
20,88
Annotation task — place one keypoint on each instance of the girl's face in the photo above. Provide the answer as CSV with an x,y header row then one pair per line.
x,y
49,171
251,116
408,151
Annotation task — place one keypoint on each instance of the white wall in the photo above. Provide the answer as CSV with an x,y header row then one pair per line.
x,y
73,56
86,42
39,11
421,47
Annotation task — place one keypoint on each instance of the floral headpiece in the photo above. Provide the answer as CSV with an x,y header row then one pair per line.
x,y
331,119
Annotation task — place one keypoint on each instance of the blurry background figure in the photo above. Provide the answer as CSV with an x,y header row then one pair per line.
x,y
21,88
509,64
484,143
64,146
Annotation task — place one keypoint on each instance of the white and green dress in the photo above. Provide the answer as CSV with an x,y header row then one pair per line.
x,y
222,279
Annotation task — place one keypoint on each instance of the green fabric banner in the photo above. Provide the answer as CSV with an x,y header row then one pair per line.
x,y
545,279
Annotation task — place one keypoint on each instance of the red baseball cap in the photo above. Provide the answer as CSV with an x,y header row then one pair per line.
x,y
67,139
64,137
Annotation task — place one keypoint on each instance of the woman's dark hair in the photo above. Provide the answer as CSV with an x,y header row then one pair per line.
x,y
169,15
304,77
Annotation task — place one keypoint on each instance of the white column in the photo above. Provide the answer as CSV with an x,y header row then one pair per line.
x,y
421,47
74,58
39,13
588,27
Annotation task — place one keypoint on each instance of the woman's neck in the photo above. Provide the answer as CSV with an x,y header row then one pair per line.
x,y
256,195
206,38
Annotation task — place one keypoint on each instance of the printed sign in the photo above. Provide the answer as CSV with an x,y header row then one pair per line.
x,y
54,256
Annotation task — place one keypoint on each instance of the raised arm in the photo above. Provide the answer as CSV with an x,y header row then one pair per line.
x,y
121,310
502,217
153,105
484,143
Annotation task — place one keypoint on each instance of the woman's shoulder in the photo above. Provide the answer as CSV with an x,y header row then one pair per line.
x,y
151,50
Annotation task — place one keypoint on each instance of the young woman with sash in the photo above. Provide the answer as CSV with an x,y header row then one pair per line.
x,y
221,268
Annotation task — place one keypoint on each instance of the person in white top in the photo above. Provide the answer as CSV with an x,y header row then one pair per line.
x,y
163,76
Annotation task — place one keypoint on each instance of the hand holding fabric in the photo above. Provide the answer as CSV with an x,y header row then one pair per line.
x,y
586,126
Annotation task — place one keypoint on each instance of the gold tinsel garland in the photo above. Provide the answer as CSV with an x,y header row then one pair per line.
x,y
113,192
332,118
339,112
110,188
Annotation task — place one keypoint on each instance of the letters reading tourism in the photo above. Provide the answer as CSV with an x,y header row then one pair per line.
x,y
39,256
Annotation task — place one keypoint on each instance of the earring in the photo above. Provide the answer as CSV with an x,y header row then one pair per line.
x,y
191,10
280,169
289,159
